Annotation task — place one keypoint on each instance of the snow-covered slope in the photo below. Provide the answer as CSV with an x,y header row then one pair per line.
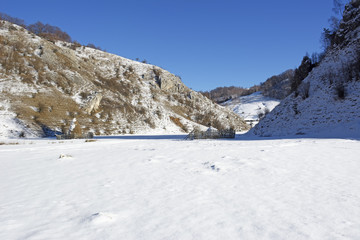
x,y
328,100
249,107
11,126
47,84
304,189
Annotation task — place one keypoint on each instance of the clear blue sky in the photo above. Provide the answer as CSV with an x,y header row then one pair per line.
x,y
209,43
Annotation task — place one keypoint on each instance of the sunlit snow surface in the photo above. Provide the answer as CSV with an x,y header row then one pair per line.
x,y
249,107
145,187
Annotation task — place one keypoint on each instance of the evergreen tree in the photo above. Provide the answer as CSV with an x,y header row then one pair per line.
x,y
301,73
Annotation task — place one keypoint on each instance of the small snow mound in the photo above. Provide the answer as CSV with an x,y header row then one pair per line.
x,y
101,218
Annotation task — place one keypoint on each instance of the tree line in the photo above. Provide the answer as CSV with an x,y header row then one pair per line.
x,y
47,31
277,86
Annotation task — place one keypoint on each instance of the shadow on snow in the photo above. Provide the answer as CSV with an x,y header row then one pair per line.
x,y
238,137
144,137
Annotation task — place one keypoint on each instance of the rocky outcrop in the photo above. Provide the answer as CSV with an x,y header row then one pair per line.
x,y
93,103
349,24
170,83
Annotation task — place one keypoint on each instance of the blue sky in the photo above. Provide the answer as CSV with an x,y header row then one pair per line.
x,y
209,43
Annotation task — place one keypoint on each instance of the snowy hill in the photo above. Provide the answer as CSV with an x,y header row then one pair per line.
x,y
44,85
327,102
251,106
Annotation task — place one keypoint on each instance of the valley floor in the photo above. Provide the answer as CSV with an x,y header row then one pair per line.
x,y
165,188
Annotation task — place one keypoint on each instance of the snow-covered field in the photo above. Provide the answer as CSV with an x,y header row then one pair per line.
x,y
164,188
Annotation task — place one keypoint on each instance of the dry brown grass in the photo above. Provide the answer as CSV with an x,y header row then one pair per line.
x,y
64,60
130,74
11,61
9,143
150,122
54,110
178,123
114,85
183,111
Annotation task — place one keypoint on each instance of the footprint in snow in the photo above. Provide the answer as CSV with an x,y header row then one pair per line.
x,y
156,159
101,218
211,166
148,149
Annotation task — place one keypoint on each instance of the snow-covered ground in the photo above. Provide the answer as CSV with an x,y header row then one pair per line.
x,y
145,187
249,107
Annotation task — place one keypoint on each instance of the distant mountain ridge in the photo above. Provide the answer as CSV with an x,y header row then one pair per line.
x,y
277,86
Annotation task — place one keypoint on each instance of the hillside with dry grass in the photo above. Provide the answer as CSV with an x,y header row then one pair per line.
x,y
45,84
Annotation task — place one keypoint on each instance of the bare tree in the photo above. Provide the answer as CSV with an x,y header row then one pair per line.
x,y
338,7
14,20
48,31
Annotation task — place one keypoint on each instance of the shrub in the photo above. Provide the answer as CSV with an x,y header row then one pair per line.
x,y
77,130
84,95
295,108
300,74
141,110
260,114
90,45
267,110
216,123
340,90
130,74
150,122
263,113
75,45
158,113
12,28
304,90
